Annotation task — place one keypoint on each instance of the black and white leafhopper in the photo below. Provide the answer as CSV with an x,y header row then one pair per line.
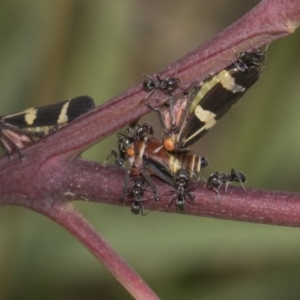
x,y
21,128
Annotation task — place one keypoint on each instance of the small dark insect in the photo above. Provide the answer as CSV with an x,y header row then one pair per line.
x,y
216,180
137,192
181,179
126,143
167,85
128,150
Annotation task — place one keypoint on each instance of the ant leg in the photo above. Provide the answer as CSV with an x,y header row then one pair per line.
x,y
150,182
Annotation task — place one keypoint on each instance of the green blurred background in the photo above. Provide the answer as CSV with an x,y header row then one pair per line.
x,y
54,50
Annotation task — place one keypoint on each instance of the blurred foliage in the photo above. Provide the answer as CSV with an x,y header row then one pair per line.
x,y
53,50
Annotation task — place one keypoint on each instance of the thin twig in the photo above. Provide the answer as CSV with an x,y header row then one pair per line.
x,y
68,217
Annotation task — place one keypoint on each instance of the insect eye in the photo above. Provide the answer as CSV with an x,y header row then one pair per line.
x,y
130,151
169,144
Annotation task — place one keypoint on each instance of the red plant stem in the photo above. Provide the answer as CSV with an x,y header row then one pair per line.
x,y
68,217
259,206
87,181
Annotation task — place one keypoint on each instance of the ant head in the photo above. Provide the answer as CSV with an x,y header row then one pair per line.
x,y
142,131
124,143
256,58
214,180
